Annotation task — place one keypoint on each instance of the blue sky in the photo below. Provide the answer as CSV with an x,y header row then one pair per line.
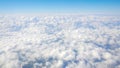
x,y
60,6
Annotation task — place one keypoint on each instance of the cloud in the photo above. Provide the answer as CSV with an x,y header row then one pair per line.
x,y
59,41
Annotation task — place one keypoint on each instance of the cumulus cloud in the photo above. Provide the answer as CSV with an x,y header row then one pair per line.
x,y
59,41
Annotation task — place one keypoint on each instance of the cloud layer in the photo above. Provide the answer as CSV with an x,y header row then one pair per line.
x,y
59,42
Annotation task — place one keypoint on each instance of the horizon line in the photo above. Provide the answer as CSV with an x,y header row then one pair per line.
x,y
49,14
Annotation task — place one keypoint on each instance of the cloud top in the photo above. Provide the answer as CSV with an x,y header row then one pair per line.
x,y
59,41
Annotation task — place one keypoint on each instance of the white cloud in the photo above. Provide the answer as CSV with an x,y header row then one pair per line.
x,y
59,41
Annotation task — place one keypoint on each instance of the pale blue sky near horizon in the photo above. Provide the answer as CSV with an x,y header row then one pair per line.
x,y
60,6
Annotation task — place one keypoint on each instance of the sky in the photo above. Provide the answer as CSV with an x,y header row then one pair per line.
x,y
60,6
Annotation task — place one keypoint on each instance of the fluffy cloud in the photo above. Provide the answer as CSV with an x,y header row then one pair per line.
x,y
59,41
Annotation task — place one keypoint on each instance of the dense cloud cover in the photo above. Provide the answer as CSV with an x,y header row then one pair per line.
x,y
59,42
